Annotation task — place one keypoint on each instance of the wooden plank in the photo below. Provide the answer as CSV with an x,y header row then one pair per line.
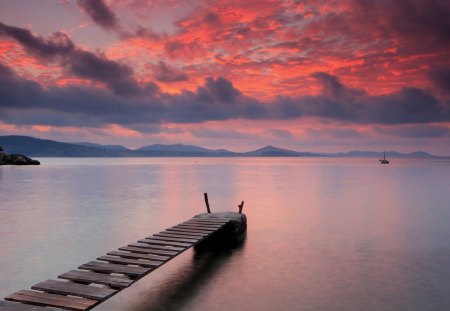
x,y
147,251
125,261
187,231
192,227
201,227
16,306
163,247
98,278
211,227
190,230
138,256
153,241
155,237
114,268
174,235
74,289
206,223
184,234
52,300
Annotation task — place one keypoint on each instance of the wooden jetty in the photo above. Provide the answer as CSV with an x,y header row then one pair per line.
x,y
98,280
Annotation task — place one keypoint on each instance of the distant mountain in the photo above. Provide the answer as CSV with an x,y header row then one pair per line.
x,y
389,154
35,147
106,147
270,151
176,147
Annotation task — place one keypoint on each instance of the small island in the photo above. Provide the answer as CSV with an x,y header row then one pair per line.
x,y
16,159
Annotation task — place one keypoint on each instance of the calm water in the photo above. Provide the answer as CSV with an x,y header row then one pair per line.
x,y
324,234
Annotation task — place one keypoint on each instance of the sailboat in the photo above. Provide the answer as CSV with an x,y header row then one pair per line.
x,y
384,161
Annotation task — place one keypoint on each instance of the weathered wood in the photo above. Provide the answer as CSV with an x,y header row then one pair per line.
x,y
163,247
205,232
152,241
241,206
125,261
98,278
138,256
73,289
206,202
114,268
147,251
174,235
208,221
191,227
16,306
197,227
185,233
201,225
182,240
52,300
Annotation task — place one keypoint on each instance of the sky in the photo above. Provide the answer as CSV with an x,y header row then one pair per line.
x,y
321,76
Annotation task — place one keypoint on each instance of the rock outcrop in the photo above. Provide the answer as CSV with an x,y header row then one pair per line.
x,y
16,159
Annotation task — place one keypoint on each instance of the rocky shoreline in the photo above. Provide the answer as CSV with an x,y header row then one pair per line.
x,y
16,159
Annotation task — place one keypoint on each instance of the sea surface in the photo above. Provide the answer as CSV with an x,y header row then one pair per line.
x,y
323,233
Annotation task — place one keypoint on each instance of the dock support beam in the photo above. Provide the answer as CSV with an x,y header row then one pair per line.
x,y
206,202
241,206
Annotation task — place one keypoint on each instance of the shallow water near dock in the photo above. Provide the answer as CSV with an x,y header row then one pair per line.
x,y
323,233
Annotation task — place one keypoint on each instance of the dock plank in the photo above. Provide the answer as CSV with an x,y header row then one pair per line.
x,y
148,251
17,306
97,278
207,232
182,240
138,255
125,261
201,227
74,289
203,224
162,247
161,242
174,235
52,300
114,268
190,231
206,221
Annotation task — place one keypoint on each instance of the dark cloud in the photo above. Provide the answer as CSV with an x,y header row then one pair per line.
x,y
59,44
118,77
440,76
165,73
99,12
24,101
83,64
16,92
414,131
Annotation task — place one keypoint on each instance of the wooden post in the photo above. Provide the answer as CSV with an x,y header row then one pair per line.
x,y
241,206
207,203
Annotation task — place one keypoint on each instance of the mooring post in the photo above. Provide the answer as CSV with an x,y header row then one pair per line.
x,y
241,206
207,203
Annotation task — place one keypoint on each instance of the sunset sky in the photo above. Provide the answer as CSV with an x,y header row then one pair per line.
x,y
319,76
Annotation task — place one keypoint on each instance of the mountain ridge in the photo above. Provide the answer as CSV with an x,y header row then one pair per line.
x,y
38,147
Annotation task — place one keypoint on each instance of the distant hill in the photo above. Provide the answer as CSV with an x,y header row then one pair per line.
x,y
389,154
35,147
106,147
182,150
270,151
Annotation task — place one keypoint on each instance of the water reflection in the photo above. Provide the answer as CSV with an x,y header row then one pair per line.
x,y
180,289
324,234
